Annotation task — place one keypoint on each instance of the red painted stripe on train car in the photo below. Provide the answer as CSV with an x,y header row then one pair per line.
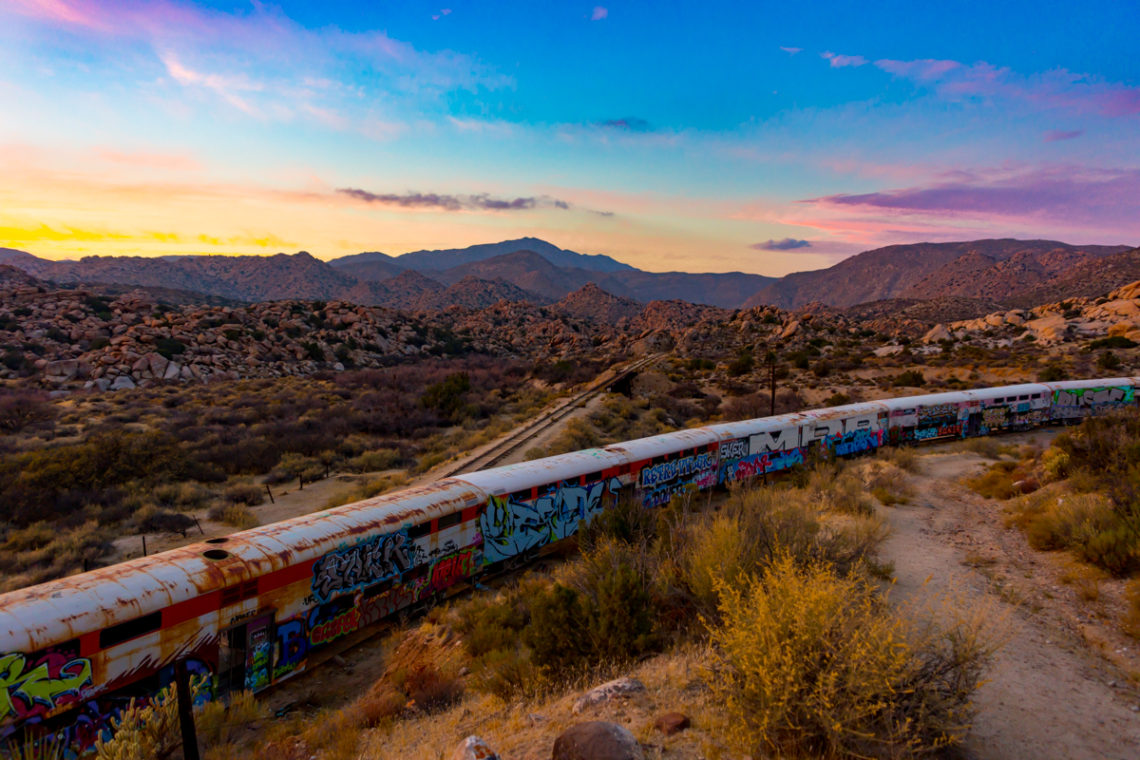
x,y
471,513
191,608
89,644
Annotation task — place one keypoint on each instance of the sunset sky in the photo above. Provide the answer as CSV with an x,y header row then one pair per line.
x,y
703,136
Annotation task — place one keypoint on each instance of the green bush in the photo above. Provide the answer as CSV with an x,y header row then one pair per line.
x,y
910,379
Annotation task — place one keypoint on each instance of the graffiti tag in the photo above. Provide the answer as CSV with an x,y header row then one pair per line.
x,y
50,682
368,562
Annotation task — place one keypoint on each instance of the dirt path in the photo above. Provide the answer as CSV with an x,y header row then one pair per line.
x,y
1050,694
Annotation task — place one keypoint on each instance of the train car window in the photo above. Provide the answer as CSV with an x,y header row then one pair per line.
x,y
593,477
1036,395
1023,398
117,634
451,519
417,531
523,495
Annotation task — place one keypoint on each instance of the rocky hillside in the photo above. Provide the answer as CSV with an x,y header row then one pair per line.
x,y
1001,270
1068,321
74,338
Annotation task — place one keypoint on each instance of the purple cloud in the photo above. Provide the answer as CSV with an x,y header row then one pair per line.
x,y
787,244
1056,135
479,202
839,61
1095,198
629,123
599,13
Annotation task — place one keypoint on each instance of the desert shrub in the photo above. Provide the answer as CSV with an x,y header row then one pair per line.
x,y
219,722
35,746
248,494
628,521
184,496
164,521
903,457
146,731
555,632
1115,549
912,378
1052,374
1055,464
887,482
1112,341
837,399
602,611
839,489
378,459
756,526
380,703
997,482
809,662
22,409
505,673
237,515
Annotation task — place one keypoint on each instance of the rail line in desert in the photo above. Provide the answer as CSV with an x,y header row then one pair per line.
x,y
520,437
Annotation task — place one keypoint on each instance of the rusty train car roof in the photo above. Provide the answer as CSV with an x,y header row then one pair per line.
x,y
538,472
60,610
666,443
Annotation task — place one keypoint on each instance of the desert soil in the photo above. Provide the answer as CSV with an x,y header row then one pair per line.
x,y
1060,685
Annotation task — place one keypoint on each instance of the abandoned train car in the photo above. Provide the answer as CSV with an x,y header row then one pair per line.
x,y
249,610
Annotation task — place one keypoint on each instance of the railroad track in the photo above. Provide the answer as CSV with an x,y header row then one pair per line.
x,y
545,421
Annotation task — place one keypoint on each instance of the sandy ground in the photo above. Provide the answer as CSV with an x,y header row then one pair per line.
x,y
1053,690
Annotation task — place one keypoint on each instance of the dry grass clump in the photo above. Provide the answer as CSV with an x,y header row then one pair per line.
x,y
1088,524
903,457
887,482
987,447
839,489
1000,479
813,663
246,494
39,552
237,515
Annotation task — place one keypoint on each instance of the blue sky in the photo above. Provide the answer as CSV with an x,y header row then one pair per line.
x,y
706,136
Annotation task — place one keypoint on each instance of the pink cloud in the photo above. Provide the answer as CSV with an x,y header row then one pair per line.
x,y
77,12
839,61
1056,135
599,13
791,50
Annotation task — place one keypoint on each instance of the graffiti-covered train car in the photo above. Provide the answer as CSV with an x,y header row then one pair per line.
x,y
253,608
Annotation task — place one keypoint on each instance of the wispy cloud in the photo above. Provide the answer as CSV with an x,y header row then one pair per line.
x,y
791,50
838,61
628,123
238,58
442,12
1058,135
599,13
787,244
445,202
1054,89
